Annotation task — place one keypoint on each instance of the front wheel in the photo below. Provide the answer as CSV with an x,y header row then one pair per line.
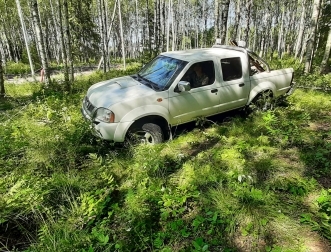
x,y
148,133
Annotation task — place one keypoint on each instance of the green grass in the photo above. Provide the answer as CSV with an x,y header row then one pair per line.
x,y
254,183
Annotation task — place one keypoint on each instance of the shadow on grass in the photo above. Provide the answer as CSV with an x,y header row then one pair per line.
x,y
317,158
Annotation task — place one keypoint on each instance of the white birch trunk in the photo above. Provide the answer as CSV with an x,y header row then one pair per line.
x,y
109,33
237,20
202,43
64,50
168,24
281,34
324,64
40,40
121,28
172,28
225,13
137,28
103,33
2,82
217,20
25,36
55,22
312,37
248,6
68,41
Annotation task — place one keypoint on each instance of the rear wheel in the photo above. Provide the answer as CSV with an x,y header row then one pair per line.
x,y
147,133
264,101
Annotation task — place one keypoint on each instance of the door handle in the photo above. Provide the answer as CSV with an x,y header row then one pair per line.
x,y
214,91
241,84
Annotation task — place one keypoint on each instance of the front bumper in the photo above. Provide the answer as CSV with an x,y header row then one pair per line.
x,y
109,131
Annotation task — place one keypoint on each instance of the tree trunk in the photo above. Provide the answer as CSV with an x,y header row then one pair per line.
x,y
163,22
109,33
137,29
225,13
25,35
2,82
68,41
217,20
64,50
281,34
236,22
202,42
173,28
312,37
55,23
324,64
248,6
168,24
103,35
149,28
40,40
2,53
121,28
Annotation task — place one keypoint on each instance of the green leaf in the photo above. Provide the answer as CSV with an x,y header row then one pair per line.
x,y
205,248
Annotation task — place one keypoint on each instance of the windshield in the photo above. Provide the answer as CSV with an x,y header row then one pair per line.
x,y
161,71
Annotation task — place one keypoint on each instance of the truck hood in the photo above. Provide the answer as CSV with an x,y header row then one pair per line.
x,y
106,93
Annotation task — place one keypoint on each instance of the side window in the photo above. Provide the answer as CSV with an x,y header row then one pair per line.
x,y
231,68
200,74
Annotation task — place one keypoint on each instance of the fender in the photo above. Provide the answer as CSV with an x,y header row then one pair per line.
x,y
260,88
136,114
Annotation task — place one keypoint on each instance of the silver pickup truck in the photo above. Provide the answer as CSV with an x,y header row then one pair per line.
x,y
178,87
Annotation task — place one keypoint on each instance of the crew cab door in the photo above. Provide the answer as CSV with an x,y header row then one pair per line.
x,y
234,81
201,100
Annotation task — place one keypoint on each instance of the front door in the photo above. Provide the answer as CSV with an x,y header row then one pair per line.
x,y
202,100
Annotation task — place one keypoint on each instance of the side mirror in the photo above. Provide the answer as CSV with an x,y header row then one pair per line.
x,y
184,86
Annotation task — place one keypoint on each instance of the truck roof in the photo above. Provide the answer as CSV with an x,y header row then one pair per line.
x,y
206,53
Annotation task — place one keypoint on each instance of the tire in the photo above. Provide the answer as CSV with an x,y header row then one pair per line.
x,y
148,133
264,101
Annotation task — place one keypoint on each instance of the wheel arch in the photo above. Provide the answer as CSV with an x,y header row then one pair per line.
x,y
261,89
156,119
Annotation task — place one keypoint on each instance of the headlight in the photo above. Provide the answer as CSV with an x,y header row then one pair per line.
x,y
104,115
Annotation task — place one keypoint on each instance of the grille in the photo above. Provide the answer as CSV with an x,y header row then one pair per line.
x,y
88,105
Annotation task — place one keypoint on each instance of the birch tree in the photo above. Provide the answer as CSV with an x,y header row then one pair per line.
x,y
237,20
298,44
312,36
2,82
324,64
247,8
103,33
19,9
40,40
68,41
281,33
121,28
225,12
63,51
217,20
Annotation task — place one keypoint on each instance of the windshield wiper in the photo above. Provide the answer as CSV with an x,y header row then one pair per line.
x,y
150,83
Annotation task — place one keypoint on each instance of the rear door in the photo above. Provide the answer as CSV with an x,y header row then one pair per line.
x,y
235,82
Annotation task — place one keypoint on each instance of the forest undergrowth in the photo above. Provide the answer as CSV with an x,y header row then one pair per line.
x,y
257,182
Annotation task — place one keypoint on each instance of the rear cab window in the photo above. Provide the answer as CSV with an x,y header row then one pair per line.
x,y
231,68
